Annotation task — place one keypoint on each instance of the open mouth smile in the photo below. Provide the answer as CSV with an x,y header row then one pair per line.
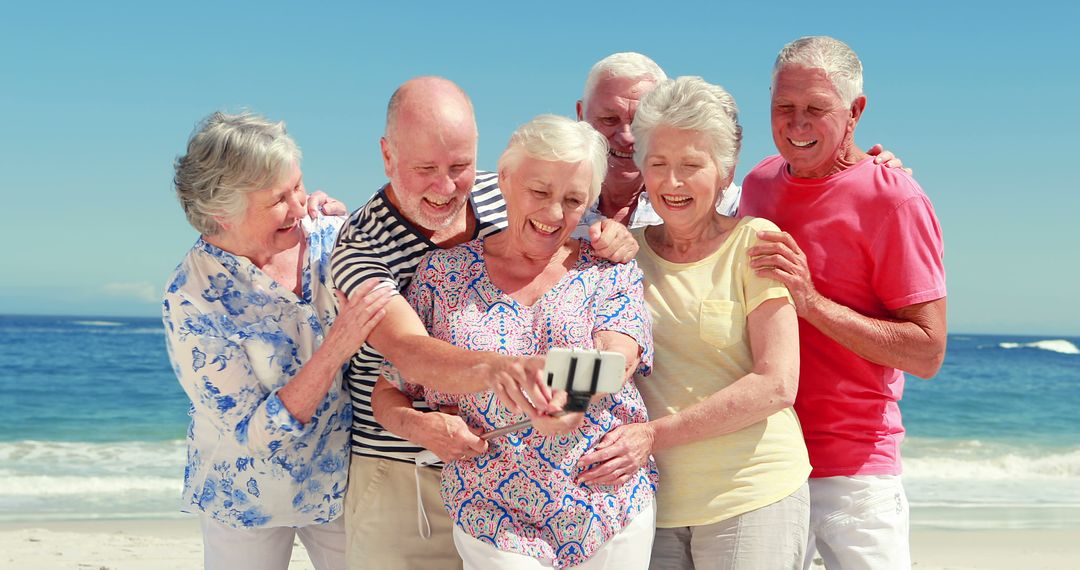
x,y
676,201
543,228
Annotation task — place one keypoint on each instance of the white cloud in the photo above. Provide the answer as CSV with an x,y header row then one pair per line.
x,y
141,291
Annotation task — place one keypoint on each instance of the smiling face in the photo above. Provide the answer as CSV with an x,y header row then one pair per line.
x,y
544,201
270,223
611,109
683,180
812,127
431,162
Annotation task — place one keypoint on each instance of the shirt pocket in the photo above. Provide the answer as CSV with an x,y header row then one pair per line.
x,y
721,322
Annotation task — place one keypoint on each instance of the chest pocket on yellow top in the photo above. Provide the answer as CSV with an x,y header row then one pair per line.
x,y
722,322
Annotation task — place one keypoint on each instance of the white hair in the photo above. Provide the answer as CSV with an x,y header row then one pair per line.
x,y
691,103
626,64
227,157
830,55
558,139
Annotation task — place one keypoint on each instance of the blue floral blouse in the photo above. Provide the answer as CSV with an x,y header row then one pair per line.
x,y
235,337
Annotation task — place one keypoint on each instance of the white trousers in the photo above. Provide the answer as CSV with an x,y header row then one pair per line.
x,y
859,523
227,548
627,550
772,537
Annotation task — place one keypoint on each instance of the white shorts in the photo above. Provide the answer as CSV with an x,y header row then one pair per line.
x,y
859,522
627,550
228,548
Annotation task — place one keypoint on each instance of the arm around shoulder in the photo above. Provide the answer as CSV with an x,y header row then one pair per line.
x,y
913,340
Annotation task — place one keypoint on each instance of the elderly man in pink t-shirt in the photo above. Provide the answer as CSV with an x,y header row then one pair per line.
x,y
861,253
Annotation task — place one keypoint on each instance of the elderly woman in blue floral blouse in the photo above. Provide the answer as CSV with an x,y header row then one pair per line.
x,y
258,342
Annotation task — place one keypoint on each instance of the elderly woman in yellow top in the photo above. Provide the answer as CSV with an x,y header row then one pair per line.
x,y
733,465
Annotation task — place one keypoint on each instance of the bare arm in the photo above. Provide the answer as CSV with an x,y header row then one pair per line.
x,y
403,340
768,388
447,435
356,317
913,340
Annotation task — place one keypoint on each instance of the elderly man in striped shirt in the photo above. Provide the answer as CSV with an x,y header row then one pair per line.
x,y
435,199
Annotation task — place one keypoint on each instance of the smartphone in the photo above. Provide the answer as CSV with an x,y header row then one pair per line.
x,y
584,373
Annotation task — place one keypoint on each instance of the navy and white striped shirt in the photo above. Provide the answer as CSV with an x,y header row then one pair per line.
x,y
378,241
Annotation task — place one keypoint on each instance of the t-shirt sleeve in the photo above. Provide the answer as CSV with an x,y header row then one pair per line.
x,y
757,289
357,258
908,253
623,310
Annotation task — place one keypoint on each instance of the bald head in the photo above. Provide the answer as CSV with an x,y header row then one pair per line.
x,y
428,100
429,153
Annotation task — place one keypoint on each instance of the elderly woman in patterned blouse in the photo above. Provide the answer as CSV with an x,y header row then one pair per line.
x,y
524,291
258,345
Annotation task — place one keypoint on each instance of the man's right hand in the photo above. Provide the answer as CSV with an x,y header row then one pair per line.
x,y
449,437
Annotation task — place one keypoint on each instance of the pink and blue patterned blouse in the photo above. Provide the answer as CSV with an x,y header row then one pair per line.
x,y
522,496
236,337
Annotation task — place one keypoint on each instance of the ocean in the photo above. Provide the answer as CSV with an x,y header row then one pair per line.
x,y
95,421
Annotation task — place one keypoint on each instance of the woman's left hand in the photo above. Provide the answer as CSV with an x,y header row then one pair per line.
x,y
618,456
319,203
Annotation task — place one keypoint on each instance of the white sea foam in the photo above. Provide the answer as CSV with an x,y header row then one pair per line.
x,y
48,479
973,476
98,323
1055,345
64,485
1008,465
31,458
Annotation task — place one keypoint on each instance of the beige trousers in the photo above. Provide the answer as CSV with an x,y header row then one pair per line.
x,y
381,518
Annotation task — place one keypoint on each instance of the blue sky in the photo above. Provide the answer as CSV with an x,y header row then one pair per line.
x,y
97,100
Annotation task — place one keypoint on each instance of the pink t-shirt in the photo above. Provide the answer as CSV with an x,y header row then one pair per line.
x,y
873,244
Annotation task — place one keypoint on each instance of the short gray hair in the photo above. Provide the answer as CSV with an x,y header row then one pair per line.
x,y
830,55
626,64
691,103
555,138
227,157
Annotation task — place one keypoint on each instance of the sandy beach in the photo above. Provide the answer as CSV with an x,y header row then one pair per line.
x,y
175,544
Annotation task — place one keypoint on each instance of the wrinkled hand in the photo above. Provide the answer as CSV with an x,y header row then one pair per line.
x,y
450,438
779,257
618,456
358,314
518,382
612,241
319,203
882,156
